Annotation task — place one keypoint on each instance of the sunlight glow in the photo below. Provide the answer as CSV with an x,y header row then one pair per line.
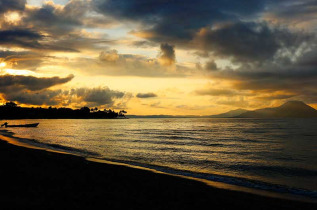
x,y
18,72
2,64
12,17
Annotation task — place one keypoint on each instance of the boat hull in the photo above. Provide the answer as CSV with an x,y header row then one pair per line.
x,y
25,125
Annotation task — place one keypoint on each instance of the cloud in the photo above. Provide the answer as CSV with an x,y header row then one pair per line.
x,y
248,41
167,54
55,19
20,37
97,96
65,22
31,90
211,66
296,13
45,97
146,95
111,62
274,97
178,21
78,97
144,44
28,39
225,29
235,101
9,83
217,92
110,56
296,76
156,105
12,5
51,27
22,59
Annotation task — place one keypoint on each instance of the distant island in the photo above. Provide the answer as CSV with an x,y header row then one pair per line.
x,y
12,111
290,109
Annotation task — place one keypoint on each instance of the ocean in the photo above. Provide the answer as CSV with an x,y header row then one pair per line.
x,y
274,155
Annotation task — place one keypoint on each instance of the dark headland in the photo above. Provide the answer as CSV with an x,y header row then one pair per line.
x,y
38,179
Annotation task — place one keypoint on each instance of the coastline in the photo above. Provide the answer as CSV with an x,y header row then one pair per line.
x,y
51,179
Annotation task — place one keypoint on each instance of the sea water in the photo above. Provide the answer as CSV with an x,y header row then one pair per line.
x,y
277,155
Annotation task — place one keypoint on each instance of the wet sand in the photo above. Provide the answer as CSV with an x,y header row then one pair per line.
x,y
32,178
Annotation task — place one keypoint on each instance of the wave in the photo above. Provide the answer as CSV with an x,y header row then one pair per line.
x,y
286,171
55,147
236,181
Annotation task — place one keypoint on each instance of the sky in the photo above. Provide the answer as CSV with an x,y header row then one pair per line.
x,y
174,57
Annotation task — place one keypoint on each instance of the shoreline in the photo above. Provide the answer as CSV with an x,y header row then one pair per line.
x,y
78,171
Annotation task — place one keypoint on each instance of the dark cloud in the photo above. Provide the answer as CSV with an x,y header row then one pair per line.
x,y
176,20
294,12
52,27
297,77
45,97
146,95
263,81
12,5
98,96
144,44
102,96
9,83
22,60
21,38
77,97
31,90
167,54
295,8
56,20
211,66
249,41
228,29
64,21
28,39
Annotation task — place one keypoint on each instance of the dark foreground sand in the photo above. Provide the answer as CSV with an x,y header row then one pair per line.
x,y
37,179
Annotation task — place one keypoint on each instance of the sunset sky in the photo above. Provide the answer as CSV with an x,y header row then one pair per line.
x,y
179,57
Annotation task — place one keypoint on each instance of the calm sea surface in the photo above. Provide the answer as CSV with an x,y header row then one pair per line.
x,y
274,155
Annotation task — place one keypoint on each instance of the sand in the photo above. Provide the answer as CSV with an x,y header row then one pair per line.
x,y
32,178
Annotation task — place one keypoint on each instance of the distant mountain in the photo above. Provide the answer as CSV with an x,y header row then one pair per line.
x,y
231,113
291,109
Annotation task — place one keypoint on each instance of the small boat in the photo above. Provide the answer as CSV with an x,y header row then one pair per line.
x,y
23,125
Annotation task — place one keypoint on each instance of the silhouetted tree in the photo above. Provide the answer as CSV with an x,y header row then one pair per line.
x,y
12,111
11,104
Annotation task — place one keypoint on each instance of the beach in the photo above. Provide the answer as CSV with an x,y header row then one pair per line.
x,y
34,178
